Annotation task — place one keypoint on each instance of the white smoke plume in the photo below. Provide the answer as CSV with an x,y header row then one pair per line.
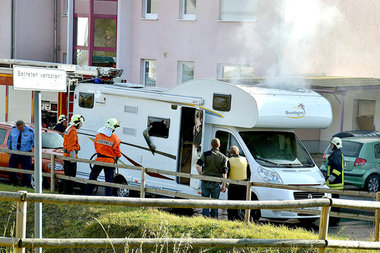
x,y
283,52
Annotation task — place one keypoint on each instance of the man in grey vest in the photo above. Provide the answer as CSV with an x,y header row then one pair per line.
x,y
215,165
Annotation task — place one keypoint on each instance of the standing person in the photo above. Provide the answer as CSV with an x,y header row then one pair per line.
x,y
215,165
238,169
71,148
60,126
107,146
21,138
335,172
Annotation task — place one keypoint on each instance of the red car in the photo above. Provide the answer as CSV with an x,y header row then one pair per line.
x,y
52,143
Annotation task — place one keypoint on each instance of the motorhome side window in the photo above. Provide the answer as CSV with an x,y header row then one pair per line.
x,y
226,141
158,127
221,102
86,100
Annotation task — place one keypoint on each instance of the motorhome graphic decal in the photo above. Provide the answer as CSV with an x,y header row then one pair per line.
x,y
297,112
152,174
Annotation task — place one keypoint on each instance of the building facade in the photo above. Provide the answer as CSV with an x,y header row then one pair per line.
x,y
164,43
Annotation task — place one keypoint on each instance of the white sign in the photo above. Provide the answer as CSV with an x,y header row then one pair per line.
x,y
39,79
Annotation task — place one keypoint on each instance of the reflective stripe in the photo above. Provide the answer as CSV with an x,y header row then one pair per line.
x,y
336,172
108,143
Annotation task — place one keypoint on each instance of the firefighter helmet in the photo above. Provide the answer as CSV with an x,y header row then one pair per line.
x,y
62,118
76,119
337,142
112,123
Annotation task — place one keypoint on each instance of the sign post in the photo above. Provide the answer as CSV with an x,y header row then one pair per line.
x,y
37,80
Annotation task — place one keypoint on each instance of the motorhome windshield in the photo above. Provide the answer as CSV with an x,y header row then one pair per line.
x,y
277,149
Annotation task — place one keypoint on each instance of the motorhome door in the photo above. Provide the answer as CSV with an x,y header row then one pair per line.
x,y
190,144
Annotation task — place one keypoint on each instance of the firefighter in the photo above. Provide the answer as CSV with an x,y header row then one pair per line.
x,y
335,172
107,146
60,126
71,148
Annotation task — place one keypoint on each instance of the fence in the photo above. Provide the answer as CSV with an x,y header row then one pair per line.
x,y
20,242
142,189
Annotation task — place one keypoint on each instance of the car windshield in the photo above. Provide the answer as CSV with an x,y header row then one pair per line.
x,y
349,148
52,140
277,149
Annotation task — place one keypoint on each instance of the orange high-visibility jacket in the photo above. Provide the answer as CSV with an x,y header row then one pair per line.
x,y
70,141
108,148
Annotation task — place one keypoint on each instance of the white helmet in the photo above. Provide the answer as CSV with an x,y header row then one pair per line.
x,y
112,123
76,119
62,118
337,142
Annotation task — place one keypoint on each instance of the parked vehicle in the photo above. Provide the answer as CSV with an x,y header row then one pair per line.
x,y
52,143
361,160
169,128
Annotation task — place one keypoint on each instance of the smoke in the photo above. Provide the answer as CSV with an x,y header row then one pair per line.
x,y
283,51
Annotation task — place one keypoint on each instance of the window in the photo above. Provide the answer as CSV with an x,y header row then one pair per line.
x,y
86,100
81,28
221,102
226,141
81,57
238,10
185,71
349,148
158,127
65,7
187,9
226,71
3,132
52,140
149,72
377,149
105,32
277,149
150,8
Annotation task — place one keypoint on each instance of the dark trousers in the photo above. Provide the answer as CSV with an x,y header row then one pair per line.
x,y
26,164
236,192
109,173
71,171
210,189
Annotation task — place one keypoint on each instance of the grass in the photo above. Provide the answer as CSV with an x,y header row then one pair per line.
x,y
69,221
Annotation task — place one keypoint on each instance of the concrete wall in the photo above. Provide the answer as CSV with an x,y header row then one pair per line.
x,y
206,41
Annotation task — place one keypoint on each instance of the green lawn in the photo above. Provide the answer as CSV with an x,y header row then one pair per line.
x,y
69,221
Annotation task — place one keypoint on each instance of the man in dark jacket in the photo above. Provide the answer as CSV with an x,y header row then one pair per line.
x,y
335,172
215,165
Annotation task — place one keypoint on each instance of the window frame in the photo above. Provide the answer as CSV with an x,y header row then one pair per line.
x,y
145,14
237,19
180,71
143,72
166,122
183,15
87,93
221,66
227,96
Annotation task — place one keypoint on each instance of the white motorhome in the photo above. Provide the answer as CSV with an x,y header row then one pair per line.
x,y
169,128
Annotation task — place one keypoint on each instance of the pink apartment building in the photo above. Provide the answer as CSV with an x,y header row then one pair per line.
x,y
166,42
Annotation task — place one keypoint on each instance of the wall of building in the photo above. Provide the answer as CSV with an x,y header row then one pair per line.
x,y
206,41
34,30
5,28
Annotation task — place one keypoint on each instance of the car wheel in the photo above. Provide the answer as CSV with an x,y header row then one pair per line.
x,y
124,193
373,183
